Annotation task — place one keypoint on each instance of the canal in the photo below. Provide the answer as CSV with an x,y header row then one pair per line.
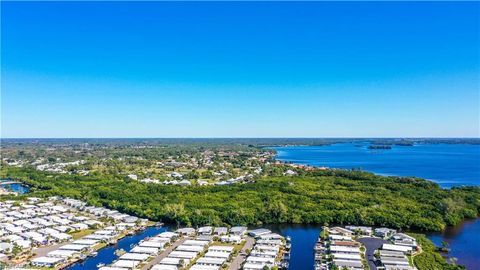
x,y
107,254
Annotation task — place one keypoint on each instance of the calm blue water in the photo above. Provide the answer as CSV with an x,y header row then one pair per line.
x,y
447,164
107,255
19,188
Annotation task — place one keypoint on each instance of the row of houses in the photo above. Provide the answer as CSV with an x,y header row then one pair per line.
x,y
144,250
267,250
215,231
336,248
34,224
184,254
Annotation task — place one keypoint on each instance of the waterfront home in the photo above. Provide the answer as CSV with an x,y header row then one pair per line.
x,y
270,236
60,253
186,231
134,257
362,230
257,232
47,261
384,232
404,249
74,247
404,240
170,235
340,231
154,244
336,237
85,242
238,230
145,250
126,264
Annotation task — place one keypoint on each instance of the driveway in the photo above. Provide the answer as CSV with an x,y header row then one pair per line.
x,y
242,255
371,244
164,253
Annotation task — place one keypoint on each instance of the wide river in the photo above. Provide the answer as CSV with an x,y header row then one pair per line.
x,y
447,164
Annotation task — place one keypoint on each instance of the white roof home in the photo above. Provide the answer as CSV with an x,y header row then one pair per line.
x,y
266,254
214,254
126,264
46,261
196,243
227,249
404,249
260,260
61,236
79,226
190,248
168,235
186,231
60,253
86,242
210,261
134,256
96,237
24,243
175,261
220,231
253,266
146,250
154,244
205,230
164,267
238,230
344,249
5,247
183,254
204,267
257,232
74,247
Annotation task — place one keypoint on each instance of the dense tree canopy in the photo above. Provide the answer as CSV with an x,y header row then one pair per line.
x,y
314,196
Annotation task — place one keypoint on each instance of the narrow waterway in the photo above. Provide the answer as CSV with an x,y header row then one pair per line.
x,y
107,254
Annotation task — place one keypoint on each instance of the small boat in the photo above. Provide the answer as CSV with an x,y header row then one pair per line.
x,y
159,224
93,254
100,265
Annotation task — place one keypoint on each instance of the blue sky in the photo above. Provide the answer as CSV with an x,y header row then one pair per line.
x,y
170,69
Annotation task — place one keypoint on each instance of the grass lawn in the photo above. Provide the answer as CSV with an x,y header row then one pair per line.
x,y
80,234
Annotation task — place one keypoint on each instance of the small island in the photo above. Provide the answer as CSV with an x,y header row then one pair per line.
x,y
379,147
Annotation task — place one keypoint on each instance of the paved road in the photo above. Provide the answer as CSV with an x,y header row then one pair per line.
x,y
164,253
371,244
42,251
242,255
